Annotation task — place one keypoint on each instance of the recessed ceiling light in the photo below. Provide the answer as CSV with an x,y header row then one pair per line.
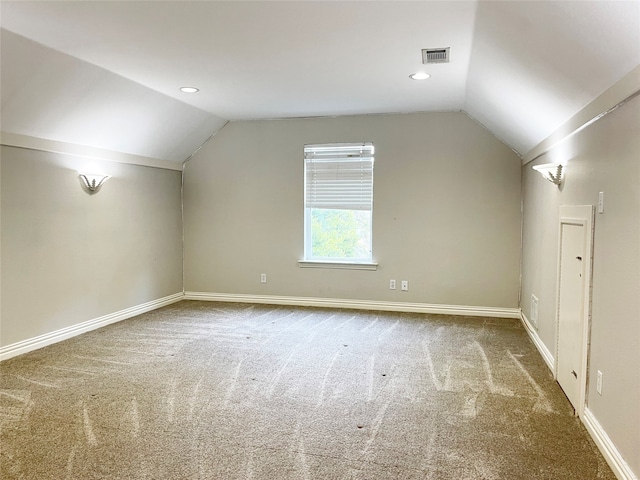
x,y
419,76
189,89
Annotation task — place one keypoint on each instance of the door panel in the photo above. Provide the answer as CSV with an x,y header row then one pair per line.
x,y
571,316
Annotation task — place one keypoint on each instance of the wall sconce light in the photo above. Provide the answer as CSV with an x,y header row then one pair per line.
x,y
551,171
93,181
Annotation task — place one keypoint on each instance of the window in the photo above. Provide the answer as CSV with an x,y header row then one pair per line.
x,y
338,202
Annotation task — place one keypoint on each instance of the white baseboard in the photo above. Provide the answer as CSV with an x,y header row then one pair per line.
x,y
53,337
357,304
609,451
542,348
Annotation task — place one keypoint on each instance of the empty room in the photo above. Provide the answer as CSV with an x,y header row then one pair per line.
x,y
320,240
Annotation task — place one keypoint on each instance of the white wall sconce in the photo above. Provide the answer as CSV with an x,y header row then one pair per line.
x,y
93,181
554,172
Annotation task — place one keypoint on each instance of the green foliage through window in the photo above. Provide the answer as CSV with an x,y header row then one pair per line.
x,y
340,234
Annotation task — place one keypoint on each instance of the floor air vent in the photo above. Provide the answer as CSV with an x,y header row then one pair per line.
x,y
435,55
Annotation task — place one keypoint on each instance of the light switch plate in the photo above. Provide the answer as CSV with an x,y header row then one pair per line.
x,y
600,202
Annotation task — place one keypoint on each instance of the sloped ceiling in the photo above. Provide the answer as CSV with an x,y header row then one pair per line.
x,y
107,74
535,64
50,95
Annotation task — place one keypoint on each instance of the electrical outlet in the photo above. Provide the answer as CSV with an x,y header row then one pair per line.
x,y
533,311
263,278
392,284
404,286
599,382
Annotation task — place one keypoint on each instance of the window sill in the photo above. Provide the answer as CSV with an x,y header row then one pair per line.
x,y
340,265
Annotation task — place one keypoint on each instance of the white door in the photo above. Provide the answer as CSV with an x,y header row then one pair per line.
x,y
570,310
574,272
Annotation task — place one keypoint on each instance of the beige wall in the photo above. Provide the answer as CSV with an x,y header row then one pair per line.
x,y
604,157
446,211
69,257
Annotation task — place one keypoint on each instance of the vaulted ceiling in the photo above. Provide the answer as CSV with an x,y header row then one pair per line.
x,y
107,74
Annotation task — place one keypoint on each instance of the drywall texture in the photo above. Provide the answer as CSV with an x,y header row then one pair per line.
x,y
68,256
603,157
446,211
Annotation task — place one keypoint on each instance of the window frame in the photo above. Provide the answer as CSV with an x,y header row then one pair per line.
x,y
309,261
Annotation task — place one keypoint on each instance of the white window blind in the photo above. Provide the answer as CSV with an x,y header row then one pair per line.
x,y
339,176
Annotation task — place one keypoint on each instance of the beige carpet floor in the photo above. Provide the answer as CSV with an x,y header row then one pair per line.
x,y
202,390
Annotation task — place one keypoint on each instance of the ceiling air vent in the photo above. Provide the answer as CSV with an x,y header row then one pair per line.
x,y
435,55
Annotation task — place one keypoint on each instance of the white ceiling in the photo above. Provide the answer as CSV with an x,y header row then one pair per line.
x,y
520,68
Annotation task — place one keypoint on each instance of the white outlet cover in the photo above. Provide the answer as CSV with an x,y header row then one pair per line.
x,y
533,311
